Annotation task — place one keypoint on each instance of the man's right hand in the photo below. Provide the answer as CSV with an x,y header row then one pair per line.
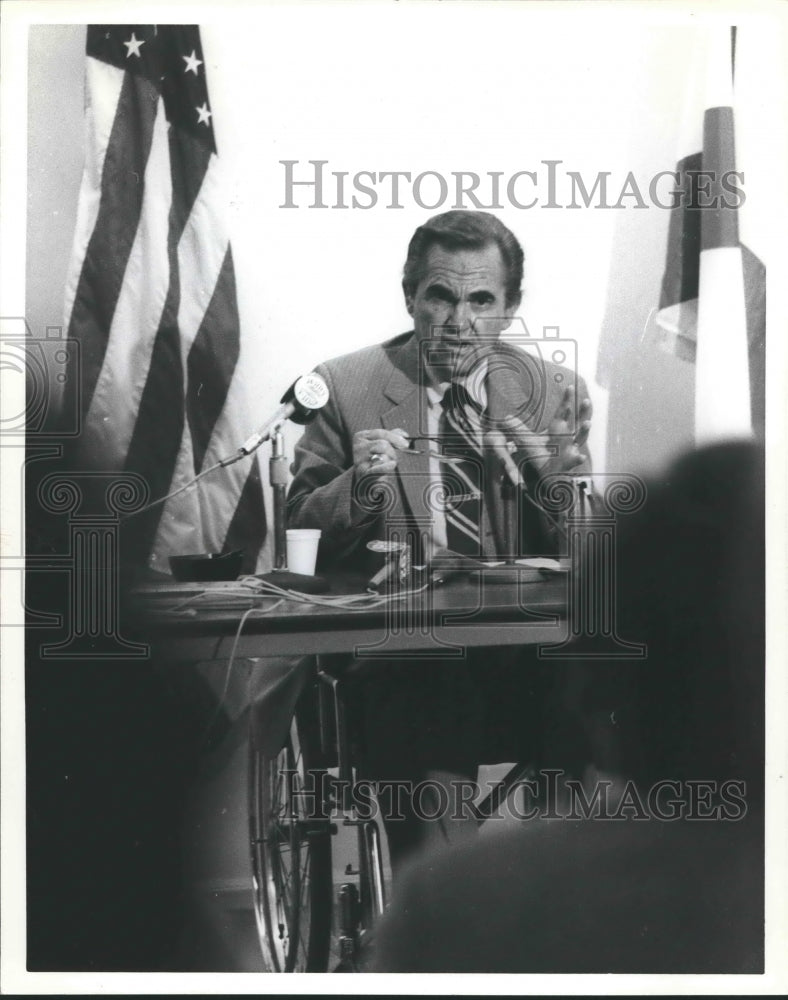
x,y
375,451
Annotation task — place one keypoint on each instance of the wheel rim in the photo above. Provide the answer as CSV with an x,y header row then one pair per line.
x,y
281,857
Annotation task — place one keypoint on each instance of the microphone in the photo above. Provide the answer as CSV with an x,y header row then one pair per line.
x,y
310,393
496,440
397,556
306,395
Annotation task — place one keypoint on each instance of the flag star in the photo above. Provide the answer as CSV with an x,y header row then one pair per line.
x,y
192,63
204,114
133,45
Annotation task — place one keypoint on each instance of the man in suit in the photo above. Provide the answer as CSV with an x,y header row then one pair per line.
x,y
355,475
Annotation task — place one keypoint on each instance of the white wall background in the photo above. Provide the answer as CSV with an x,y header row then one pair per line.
x,y
412,87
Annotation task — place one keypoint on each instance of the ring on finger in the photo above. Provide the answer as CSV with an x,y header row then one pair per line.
x,y
376,457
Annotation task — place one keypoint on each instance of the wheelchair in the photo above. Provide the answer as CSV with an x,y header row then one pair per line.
x,y
297,800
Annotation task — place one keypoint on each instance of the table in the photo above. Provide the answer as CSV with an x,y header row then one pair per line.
x,y
510,607
520,606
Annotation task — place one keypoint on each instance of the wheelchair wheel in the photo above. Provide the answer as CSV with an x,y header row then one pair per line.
x,y
291,855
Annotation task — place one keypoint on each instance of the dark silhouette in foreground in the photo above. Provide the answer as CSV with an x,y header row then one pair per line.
x,y
641,894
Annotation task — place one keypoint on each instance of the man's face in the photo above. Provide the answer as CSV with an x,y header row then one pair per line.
x,y
459,306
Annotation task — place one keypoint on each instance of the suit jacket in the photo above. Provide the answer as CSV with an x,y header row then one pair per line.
x,y
385,386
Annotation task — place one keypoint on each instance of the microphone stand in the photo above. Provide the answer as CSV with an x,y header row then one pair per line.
x,y
509,498
277,471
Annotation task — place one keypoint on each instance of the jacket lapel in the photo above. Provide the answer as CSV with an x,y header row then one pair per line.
x,y
406,394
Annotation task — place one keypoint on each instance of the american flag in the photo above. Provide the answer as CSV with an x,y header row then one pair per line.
x,y
151,296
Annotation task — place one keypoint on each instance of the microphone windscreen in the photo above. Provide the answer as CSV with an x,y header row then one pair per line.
x,y
308,394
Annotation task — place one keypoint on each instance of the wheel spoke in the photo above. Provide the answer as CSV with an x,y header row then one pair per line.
x,y
283,842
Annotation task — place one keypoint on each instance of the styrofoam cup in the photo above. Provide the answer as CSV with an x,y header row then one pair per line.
x,y
302,550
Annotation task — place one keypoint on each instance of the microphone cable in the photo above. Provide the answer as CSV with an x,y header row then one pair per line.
x,y
314,395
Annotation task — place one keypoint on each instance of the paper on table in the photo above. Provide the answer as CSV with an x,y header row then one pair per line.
x,y
553,564
536,563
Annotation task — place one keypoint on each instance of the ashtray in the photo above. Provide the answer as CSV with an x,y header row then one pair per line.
x,y
206,566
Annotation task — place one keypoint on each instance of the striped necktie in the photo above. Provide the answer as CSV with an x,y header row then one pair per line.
x,y
462,478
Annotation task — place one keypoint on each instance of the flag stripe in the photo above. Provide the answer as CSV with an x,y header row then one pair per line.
x,y
719,227
722,396
103,85
182,524
680,280
755,309
246,519
201,254
112,239
156,440
212,361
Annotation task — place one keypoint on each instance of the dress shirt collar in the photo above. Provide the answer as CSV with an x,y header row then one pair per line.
x,y
475,383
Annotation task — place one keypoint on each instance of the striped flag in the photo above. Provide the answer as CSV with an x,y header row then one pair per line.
x,y
151,297
712,305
